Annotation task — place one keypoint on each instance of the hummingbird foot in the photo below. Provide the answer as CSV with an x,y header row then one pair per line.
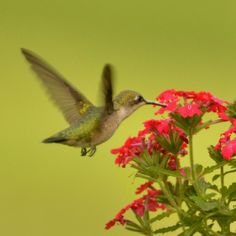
x,y
84,152
90,151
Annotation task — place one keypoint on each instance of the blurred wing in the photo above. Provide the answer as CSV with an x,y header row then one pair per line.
x,y
107,84
71,102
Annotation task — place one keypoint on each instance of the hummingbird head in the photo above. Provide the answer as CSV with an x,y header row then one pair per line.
x,y
126,102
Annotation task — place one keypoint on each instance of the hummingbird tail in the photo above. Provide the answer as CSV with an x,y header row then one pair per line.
x,y
54,140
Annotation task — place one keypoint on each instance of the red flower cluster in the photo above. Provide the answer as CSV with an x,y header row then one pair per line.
x,y
146,203
190,103
132,147
226,144
147,139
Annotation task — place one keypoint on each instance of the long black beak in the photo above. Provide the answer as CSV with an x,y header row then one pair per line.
x,y
155,103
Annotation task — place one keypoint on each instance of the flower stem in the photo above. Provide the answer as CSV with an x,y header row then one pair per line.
x,y
222,176
222,181
168,195
191,156
172,201
214,122
194,176
146,220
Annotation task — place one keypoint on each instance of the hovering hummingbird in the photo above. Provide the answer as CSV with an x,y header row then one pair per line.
x,y
89,125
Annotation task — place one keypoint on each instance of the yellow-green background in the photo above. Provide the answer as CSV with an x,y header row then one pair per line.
x,y
154,45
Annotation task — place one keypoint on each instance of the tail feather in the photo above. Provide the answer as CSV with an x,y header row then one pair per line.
x,y
54,140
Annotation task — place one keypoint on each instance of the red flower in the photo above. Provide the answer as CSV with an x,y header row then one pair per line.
x,y
189,110
160,126
147,139
168,96
172,163
225,144
139,206
132,147
163,132
189,103
143,187
171,107
229,149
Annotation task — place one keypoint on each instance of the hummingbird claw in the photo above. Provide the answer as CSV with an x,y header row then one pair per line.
x,y
83,152
90,151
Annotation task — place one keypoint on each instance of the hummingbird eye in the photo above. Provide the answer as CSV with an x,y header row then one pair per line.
x,y
138,99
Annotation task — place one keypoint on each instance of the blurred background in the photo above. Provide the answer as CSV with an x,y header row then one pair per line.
x,y
155,45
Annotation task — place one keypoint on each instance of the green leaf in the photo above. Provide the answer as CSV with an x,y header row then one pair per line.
x,y
167,229
198,170
229,172
134,229
170,173
160,216
232,163
147,158
231,110
232,192
188,232
224,191
203,184
214,187
215,154
215,177
210,169
139,220
140,175
205,205
165,171
133,225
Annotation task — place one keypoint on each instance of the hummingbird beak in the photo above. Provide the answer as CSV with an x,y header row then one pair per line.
x,y
155,103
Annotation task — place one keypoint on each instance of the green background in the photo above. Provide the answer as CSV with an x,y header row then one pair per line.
x,y
154,45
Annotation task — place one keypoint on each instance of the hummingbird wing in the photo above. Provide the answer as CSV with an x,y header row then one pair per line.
x,y
71,102
107,85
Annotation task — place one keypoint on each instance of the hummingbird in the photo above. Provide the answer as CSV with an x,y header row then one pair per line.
x,y
89,125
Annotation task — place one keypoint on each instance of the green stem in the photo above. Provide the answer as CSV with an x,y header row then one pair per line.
x,y
194,176
222,181
191,156
179,184
168,195
222,176
214,122
172,201
149,233
146,220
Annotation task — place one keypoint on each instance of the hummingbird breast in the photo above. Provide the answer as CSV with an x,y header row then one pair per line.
x,y
108,126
